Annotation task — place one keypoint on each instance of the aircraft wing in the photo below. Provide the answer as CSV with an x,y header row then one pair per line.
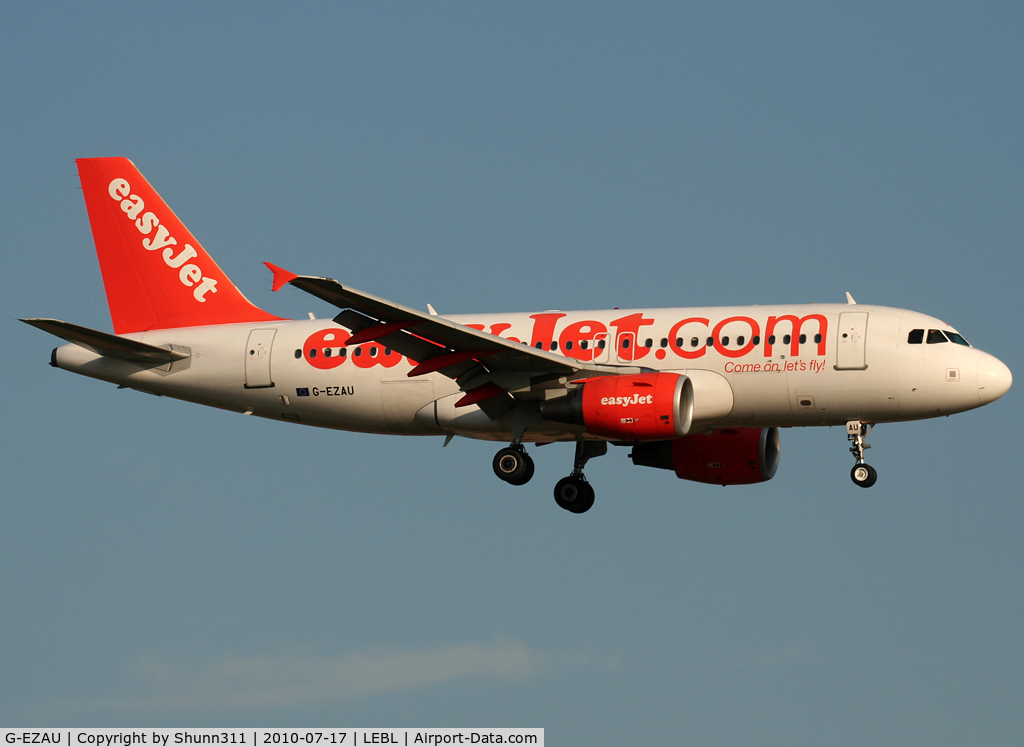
x,y
485,366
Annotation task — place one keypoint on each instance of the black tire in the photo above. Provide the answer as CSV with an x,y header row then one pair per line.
x,y
528,475
588,499
574,494
863,475
511,465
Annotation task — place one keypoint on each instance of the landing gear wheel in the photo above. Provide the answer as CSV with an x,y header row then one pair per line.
x,y
863,475
513,465
529,472
588,499
574,494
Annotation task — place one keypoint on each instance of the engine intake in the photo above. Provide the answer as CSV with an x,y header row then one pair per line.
x,y
732,456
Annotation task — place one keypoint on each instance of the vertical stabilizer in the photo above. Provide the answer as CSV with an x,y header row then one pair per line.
x,y
155,273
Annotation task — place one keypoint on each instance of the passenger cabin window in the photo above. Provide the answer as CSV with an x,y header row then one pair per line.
x,y
725,341
694,342
648,343
916,337
625,343
740,340
600,344
664,342
298,353
554,345
936,336
568,344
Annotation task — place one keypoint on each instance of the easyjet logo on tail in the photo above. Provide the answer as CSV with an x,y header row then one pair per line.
x,y
190,275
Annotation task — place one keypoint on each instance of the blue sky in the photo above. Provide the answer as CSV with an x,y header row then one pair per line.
x,y
164,564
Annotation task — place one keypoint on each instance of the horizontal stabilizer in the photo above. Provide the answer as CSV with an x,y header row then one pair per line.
x,y
107,345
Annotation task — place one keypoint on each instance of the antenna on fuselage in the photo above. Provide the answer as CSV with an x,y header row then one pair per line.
x,y
849,298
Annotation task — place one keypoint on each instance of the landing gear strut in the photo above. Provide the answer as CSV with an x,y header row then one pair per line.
x,y
574,493
862,474
513,465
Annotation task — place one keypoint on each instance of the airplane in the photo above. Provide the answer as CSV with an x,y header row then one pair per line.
x,y
699,391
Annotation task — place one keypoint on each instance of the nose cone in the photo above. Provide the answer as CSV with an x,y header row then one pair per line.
x,y
994,379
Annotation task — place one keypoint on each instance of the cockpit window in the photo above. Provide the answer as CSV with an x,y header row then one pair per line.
x,y
935,336
954,337
916,337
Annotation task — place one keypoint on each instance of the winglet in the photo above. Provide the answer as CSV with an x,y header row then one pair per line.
x,y
281,276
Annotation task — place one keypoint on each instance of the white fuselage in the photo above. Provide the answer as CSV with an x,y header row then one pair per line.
x,y
854,363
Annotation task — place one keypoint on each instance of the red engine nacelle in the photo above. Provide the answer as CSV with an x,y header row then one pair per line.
x,y
641,407
732,456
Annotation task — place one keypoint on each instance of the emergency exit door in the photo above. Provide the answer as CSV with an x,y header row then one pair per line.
x,y
851,338
257,359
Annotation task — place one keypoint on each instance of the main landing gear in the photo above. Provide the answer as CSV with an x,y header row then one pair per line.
x,y
862,474
513,465
573,493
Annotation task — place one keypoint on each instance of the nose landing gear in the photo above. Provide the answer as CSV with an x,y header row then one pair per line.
x,y
862,474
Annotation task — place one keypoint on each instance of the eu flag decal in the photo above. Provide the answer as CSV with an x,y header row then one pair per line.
x,y
302,391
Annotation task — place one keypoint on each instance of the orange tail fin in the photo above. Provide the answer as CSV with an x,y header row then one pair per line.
x,y
156,274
